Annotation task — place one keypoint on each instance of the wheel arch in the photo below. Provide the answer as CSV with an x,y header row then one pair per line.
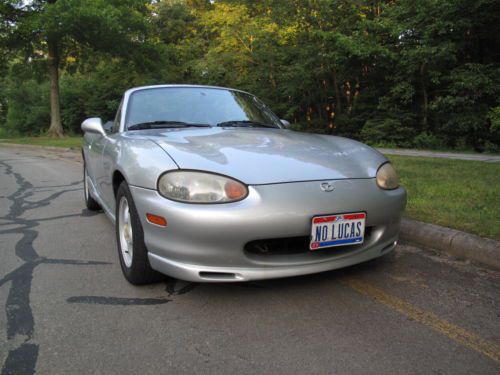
x,y
117,179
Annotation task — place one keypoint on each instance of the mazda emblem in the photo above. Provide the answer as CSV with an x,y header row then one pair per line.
x,y
327,186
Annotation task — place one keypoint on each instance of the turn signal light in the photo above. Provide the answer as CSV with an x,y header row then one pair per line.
x,y
158,220
234,190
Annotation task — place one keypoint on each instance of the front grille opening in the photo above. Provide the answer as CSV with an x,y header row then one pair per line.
x,y
277,246
291,245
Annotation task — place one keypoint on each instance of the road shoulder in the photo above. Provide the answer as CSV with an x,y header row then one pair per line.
x,y
452,242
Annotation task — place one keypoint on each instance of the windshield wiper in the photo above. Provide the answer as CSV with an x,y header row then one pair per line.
x,y
246,123
165,124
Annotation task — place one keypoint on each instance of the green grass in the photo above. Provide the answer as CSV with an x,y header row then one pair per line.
x,y
459,194
74,142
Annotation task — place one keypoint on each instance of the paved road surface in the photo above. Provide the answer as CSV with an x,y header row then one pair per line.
x,y
66,309
445,155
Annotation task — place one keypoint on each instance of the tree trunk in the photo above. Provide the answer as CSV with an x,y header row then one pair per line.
x,y
55,129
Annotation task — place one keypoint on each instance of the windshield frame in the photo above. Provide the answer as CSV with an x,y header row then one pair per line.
x,y
130,93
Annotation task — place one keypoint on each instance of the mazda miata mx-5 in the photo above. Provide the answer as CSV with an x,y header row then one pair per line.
x,y
208,184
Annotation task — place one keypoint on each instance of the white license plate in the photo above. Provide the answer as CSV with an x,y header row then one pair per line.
x,y
337,230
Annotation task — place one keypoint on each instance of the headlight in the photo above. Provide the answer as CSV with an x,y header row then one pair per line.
x,y
387,177
200,187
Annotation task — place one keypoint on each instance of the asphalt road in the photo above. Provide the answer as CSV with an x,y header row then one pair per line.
x,y
66,309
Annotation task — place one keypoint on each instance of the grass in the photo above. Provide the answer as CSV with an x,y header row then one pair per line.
x,y
459,194
73,142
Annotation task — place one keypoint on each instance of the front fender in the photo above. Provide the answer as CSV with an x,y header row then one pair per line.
x,y
142,161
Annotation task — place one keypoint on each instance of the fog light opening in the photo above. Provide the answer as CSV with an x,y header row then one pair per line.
x,y
156,220
217,275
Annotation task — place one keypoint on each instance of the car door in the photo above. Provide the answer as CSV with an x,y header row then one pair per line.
x,y
108,161
92,155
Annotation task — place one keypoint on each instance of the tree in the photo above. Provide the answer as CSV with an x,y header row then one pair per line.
x,y
443,68
55,28
405,73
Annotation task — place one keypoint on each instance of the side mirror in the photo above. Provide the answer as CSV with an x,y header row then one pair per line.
x,y
285,123
93,125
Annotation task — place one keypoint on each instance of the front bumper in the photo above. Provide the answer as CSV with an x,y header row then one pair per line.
x,y
199,273
207,242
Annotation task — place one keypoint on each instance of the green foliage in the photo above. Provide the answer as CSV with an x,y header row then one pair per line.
x,y
406,73
94,94
427,141
387,131
29,110
494,117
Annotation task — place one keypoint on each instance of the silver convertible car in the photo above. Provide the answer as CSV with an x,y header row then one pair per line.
x,y
208,184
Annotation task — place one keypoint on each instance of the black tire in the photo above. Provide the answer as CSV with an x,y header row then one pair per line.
x,y
90,202
139,271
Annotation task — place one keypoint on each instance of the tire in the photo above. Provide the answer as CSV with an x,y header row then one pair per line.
x,y
132,251
90,202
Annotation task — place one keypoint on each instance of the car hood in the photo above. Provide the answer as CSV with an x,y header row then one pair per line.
x,y
267,156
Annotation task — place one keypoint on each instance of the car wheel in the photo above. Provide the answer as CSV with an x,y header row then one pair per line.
x,y
90,202
130,240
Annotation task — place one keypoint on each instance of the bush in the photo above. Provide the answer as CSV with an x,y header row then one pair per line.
x,y
426,140
491,148
387,131
494,117
4,133
29,107
346,126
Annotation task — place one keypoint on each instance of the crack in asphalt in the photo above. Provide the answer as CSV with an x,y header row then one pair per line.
x,y
84,213
20,322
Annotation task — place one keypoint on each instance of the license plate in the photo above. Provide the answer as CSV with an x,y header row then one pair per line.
x,y
337,230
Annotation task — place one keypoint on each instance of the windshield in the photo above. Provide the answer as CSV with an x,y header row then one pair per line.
x,y
197,105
